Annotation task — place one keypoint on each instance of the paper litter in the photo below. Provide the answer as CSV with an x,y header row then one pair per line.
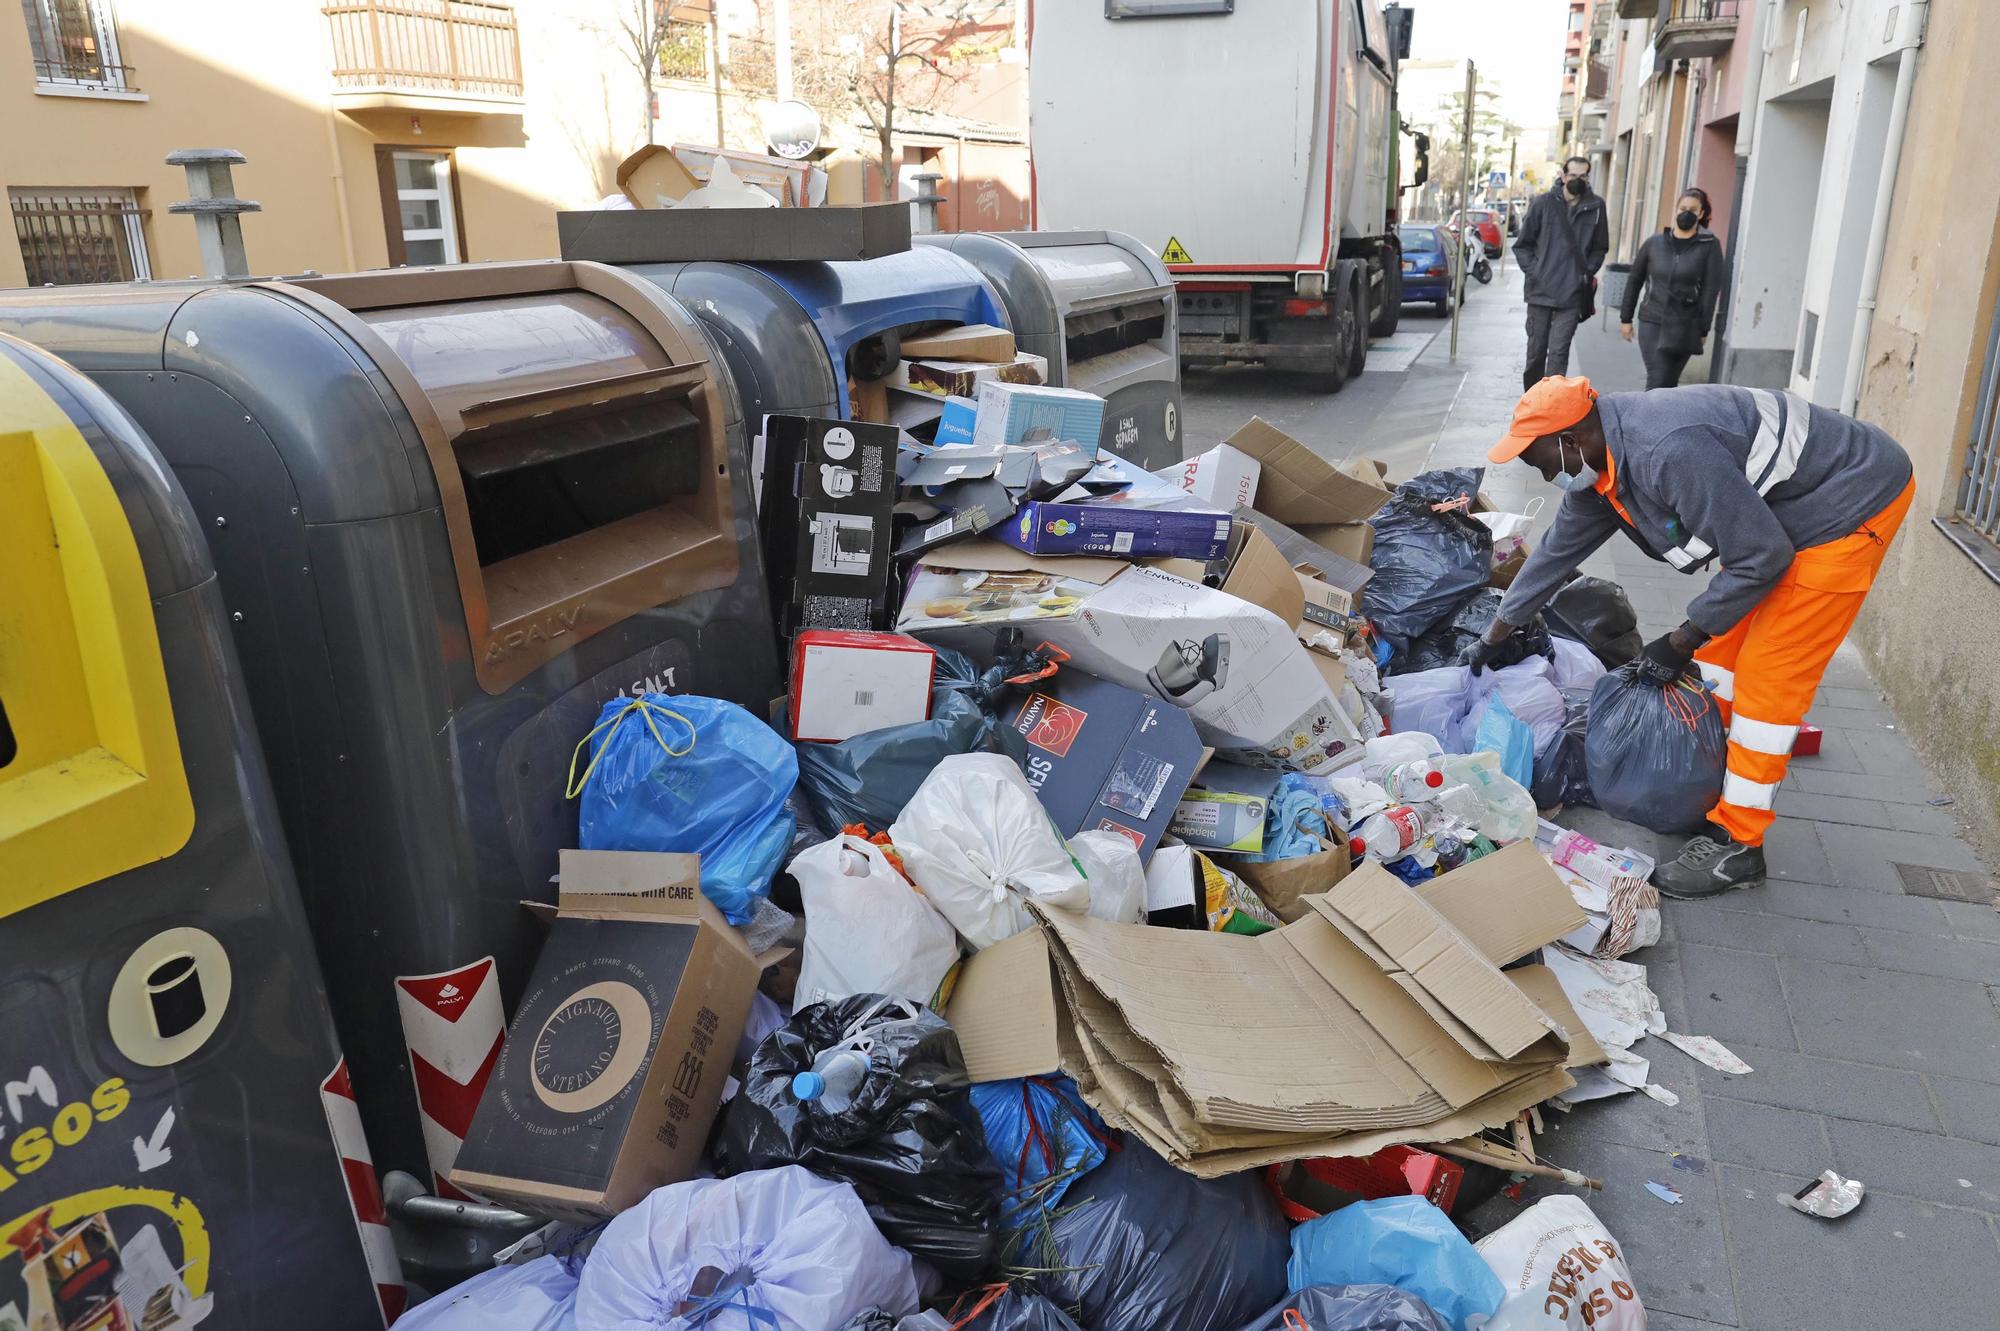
x,y
1705,1049
1829,1196
1671,1196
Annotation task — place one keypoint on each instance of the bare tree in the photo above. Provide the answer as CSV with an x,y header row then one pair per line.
x,y
641,30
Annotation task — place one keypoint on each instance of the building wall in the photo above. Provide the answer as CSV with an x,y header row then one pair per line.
x,y
1931,627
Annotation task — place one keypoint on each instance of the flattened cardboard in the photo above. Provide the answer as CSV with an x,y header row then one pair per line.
x,y
1004,1010
614,1065
1297,485
649,234
1540,984
1329,566
976,342
1261,575
1506,904
1420,950
1352,541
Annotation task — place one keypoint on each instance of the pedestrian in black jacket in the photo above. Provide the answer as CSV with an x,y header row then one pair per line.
x,y
1560,247
1682,272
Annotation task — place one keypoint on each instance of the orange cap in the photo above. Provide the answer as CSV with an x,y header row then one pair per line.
x,y
1556,403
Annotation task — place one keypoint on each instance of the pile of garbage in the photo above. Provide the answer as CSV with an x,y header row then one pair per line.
x,y
1131,916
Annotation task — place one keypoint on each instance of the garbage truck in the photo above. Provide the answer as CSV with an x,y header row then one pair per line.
x,y
1254,145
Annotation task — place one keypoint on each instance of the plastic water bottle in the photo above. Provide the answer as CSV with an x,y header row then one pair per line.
x,y
1387,835
1411,782
835,1079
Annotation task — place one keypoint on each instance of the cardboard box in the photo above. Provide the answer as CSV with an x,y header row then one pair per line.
x,y
967,509
1283,885
1225,1052
1221,820
955,425
653,177
1223,476
962,378
1129,524
1259,574
1329,566
845,683
829,494
982,342
614,1064
1298,486
1036,413
734,235
1352,541
1101,756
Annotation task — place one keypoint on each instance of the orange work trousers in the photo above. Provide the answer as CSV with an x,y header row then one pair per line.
x,y
1766,670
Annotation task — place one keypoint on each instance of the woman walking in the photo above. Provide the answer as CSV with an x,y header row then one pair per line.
x,y
1681,273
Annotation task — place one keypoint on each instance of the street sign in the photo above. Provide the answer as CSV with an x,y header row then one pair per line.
x,y
1496,180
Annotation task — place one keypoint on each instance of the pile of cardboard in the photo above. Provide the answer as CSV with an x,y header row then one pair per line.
x,y
1381,1017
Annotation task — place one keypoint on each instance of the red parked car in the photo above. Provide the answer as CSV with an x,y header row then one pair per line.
x,y
1487,222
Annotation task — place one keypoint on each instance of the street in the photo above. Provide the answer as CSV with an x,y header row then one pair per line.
x,y
1870,1014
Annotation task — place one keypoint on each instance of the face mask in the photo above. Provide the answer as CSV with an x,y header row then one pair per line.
x,y
1685,220
1576,186
1581,479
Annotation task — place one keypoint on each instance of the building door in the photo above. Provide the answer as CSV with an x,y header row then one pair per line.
x,y
420,207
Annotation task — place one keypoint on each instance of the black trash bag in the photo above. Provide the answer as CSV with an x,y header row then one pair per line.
x,y
869,778
1597,613
1426,562
1654,753
1562,774
910,1142
872,1320
1351,1308
1018,1309
1442,645
1137,1243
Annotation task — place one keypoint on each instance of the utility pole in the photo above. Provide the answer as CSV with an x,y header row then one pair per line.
x,y
1513,188
1464,202
715,70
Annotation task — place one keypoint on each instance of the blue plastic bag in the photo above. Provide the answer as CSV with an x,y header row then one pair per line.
x,y
692,775
1400,1241
1043,1137
1507,738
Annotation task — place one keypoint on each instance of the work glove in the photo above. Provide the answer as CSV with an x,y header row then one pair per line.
x,y
1480,654
1666,658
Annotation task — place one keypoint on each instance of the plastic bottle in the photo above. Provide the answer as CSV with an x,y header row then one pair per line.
x,y
1410,782
836,1076
1389,834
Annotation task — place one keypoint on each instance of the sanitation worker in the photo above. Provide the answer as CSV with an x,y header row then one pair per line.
x,y
1792,505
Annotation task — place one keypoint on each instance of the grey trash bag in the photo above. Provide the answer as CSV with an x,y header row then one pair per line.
x,y
1562,772
1351,1308
1426,562
1137,1243
1016,1309
1654,754
1597,613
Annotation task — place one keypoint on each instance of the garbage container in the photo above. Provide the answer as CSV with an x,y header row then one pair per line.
x,y
453,510
794,334
1611,292
175,1146
1101,307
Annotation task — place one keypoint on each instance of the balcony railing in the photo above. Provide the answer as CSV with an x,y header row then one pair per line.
x,y
1696,29
438,48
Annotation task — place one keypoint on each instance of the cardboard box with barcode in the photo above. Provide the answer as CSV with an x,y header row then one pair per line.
x,y
827,505
845,683
614,1064
1036,413
1328,503
1380,1018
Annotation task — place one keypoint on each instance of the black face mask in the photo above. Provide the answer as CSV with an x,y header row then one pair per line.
x,y
1685,220
1576,187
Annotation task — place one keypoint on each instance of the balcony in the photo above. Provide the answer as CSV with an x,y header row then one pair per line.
x,y
1565,107
426,55
1696,29
1638,8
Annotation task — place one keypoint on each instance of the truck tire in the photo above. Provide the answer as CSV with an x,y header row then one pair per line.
x,y
1357,356
1390,312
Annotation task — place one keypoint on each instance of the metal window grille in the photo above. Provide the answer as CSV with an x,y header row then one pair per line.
x,y
1978,505
684,51
71,236
74,43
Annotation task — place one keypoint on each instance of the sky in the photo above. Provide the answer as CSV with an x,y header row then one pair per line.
x,y
1516,44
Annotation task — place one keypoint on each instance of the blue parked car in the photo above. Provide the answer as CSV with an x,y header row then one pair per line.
x,y
1427,266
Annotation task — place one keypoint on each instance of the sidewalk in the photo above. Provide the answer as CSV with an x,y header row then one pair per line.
x,y
1862,984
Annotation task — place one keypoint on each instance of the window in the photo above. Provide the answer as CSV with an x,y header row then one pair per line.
x,y
684,50
68,236
74,44
1972,519
419,207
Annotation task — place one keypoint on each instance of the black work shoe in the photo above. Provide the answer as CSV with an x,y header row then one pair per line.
x,y
1708,868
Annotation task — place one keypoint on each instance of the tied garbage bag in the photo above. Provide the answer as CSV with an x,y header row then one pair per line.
x,y
1443,643
779,1248
1137,1243
694,775
1562,1271
1350,1308
1400,1241
1426,560
1562,776
1117,877
1654,754
1529,696
979,844
905,1136
1043,1137
868,929
1439,703
869,778
1005,1308
1575,665
1597,613
535,1296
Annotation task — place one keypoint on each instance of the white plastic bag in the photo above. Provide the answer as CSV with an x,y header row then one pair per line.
x,y
1437,702
1117,876
732,1254
1510,530
535,1296
867,930
977,841
1529,695
1562,1269
1576,666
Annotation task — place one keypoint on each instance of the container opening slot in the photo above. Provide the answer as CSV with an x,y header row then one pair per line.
x,y
1092,333
8,746
536,483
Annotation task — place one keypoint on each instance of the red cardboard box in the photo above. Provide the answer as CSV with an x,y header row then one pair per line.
x,y
845,683
1806,743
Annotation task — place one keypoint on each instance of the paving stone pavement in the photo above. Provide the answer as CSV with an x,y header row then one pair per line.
x,y
1871,1017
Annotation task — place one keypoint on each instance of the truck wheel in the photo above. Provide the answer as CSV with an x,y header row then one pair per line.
x,y
1357,355
1390,312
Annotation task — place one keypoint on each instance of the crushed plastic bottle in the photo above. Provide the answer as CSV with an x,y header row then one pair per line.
x,y
1414,781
